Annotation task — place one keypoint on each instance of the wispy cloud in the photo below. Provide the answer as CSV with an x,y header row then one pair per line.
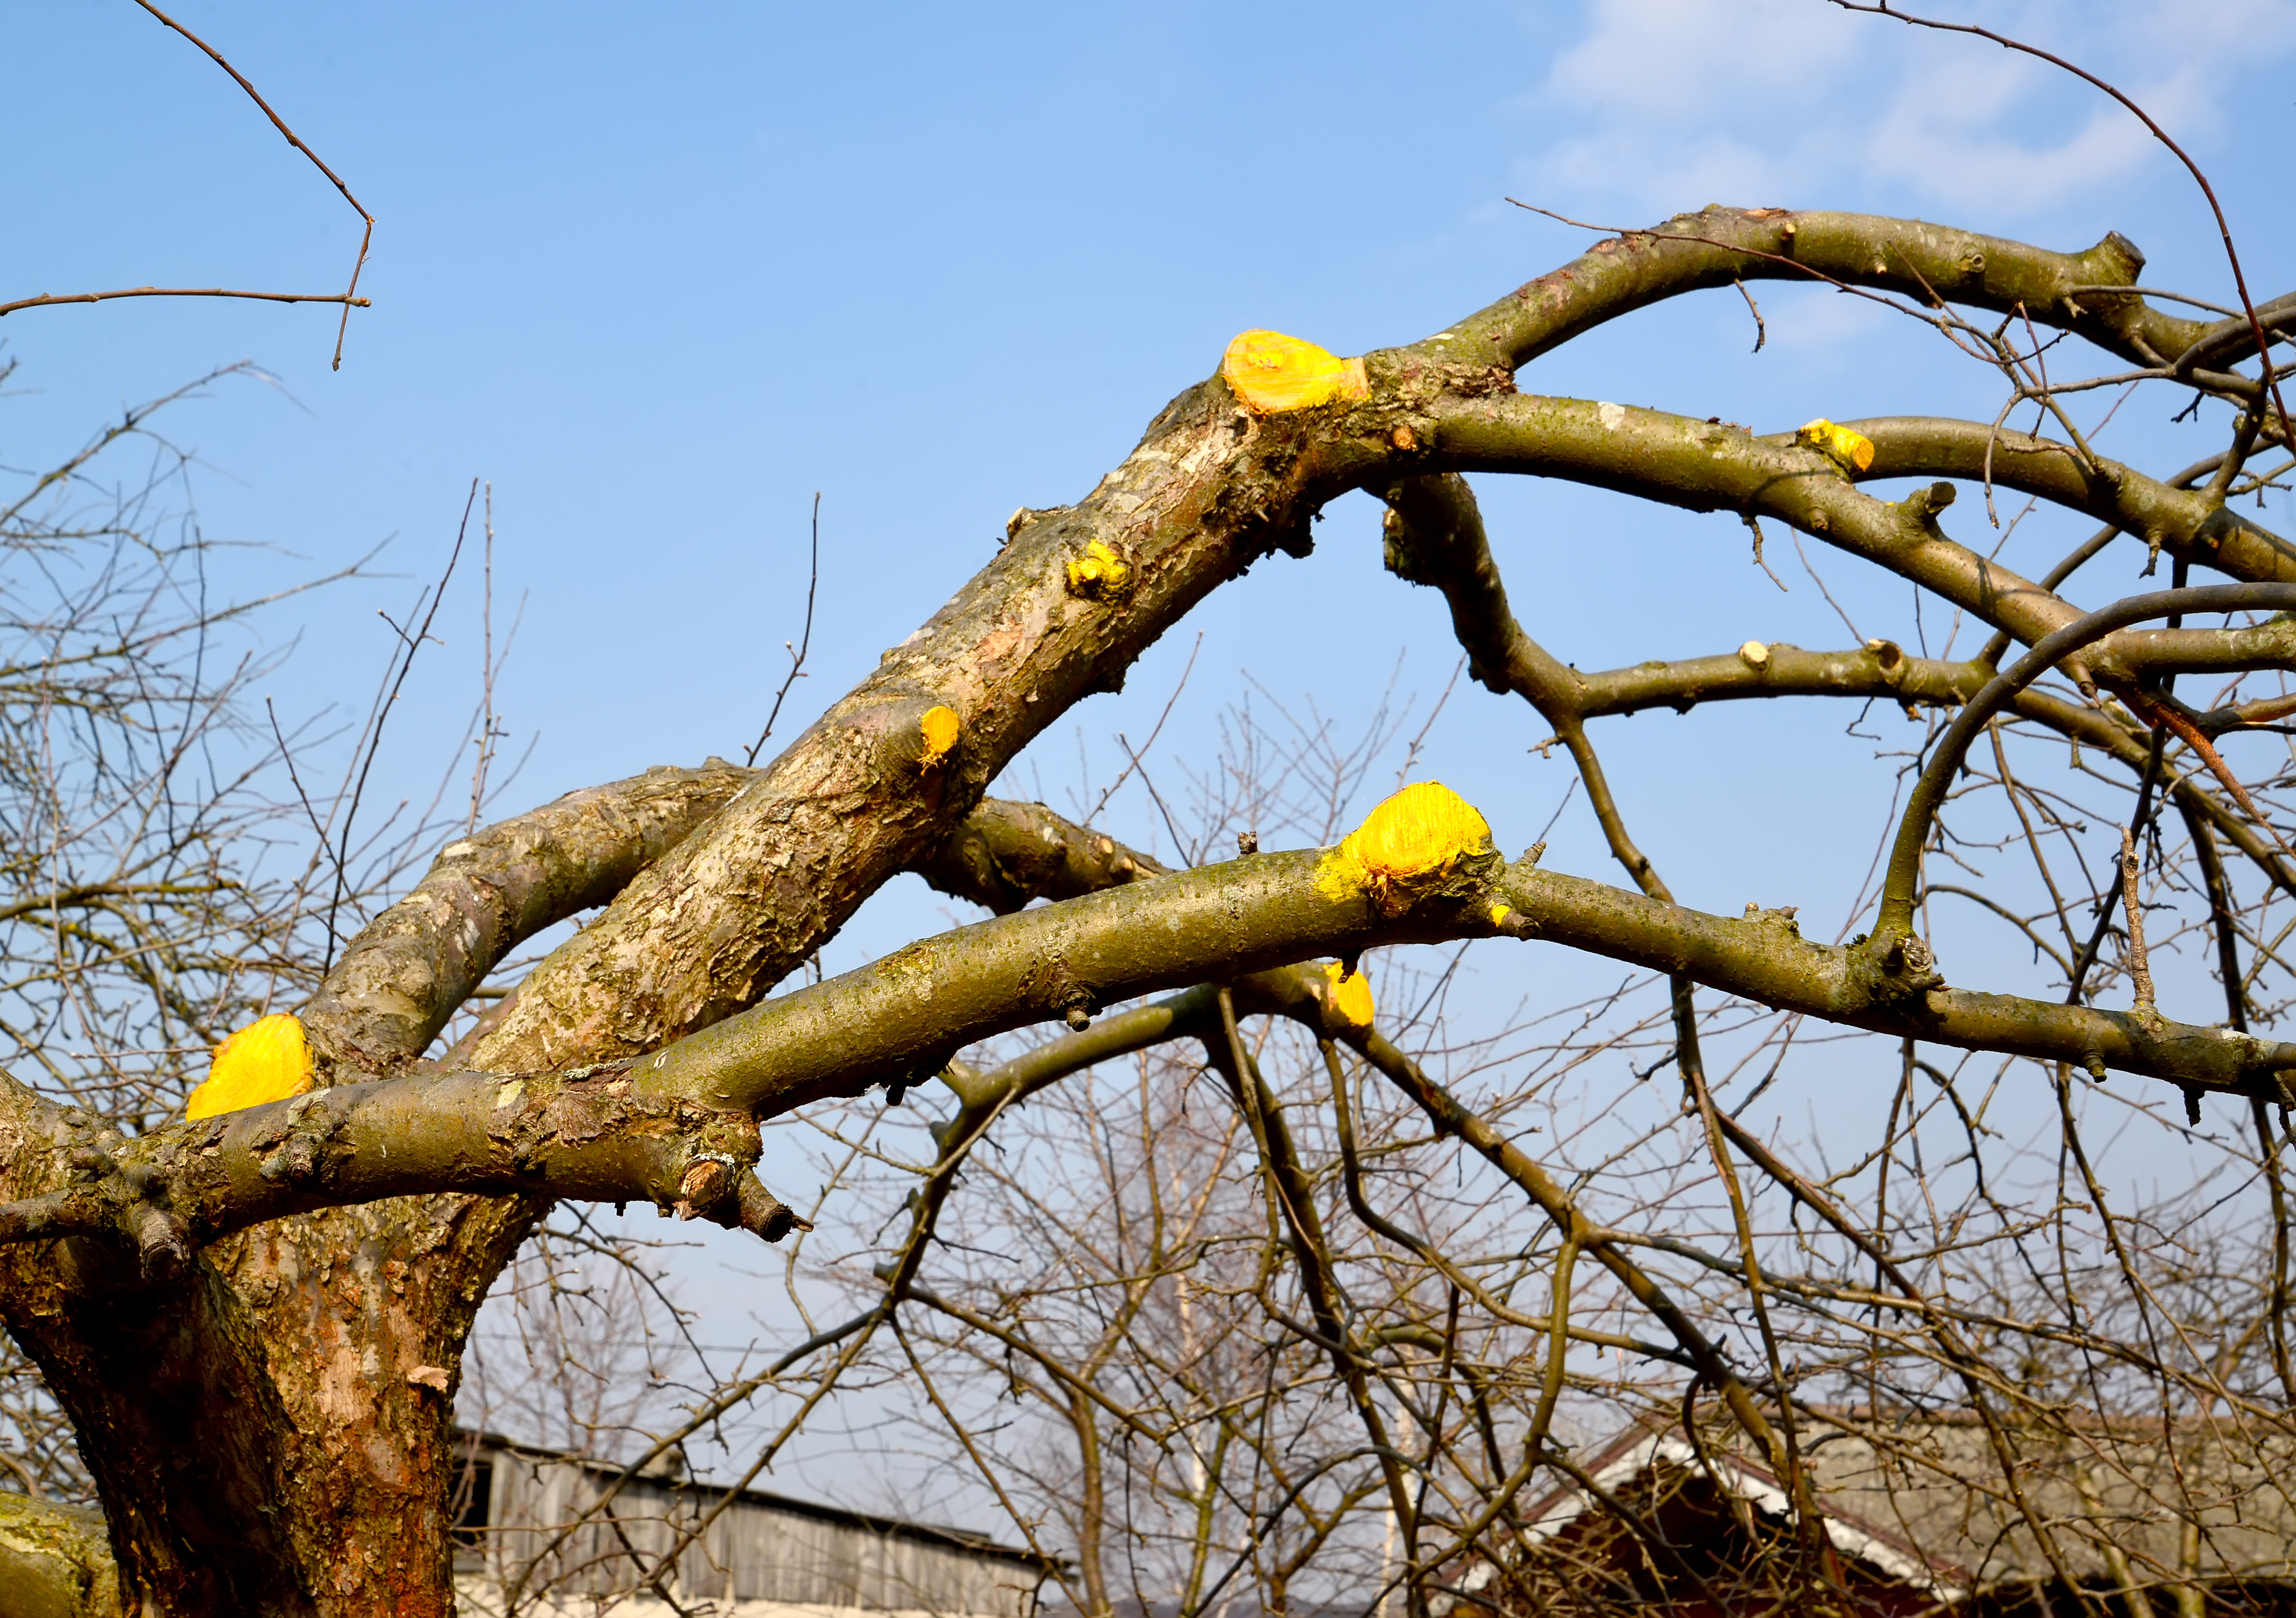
x,y
1660,104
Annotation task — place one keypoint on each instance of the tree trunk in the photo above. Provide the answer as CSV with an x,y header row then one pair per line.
x,y
253,1428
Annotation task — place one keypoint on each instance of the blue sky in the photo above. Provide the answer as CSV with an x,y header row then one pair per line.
x,y
660,275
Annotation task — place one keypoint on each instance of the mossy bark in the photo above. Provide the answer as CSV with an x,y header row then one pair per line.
x,y
56,1562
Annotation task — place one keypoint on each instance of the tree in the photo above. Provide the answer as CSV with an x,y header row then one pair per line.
x,y
254,1320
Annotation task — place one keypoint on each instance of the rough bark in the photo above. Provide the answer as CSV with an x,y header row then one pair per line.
x,y
403,977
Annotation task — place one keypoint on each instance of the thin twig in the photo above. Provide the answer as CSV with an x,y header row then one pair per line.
x,y
1761,329
1411,752
489,733
805,639
366,238
287,757
383,715
1134,758
2140,969
1755,523
47,298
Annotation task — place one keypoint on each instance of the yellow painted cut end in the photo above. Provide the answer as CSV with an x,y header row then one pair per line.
x,y
940,725
1420,832
269,1060
1272,373
1853,452
1349,995
1098,573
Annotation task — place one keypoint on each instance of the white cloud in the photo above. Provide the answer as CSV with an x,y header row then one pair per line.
x,y
1665,104
1662,87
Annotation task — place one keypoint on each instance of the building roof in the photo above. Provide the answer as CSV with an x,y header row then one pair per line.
x,y
1651,1447
1922,1499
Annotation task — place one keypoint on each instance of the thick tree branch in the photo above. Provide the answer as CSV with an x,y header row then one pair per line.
x,y
1763,958
1719,246
678,1128
1435,537
899,1019
1705,467
411,968
1880,671
1007,854
57,1560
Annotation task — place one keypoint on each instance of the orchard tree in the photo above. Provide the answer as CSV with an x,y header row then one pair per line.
x,y
255,1316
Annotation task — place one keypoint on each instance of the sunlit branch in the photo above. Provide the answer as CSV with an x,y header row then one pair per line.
x,y
2182,522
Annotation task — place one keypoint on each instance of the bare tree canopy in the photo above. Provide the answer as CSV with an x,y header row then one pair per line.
x,y
1171,1204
